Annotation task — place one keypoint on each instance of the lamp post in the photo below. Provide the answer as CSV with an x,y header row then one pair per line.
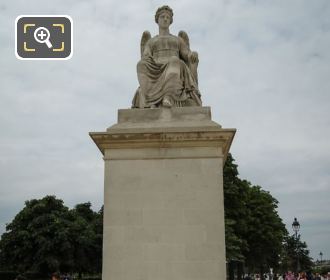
x,y
296,227
321,255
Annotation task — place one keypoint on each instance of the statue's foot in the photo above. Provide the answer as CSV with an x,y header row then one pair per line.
x,y
167,102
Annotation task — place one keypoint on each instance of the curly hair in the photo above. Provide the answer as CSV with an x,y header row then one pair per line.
x,y
163,9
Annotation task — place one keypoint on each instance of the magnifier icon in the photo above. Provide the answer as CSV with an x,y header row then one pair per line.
x,y
41,35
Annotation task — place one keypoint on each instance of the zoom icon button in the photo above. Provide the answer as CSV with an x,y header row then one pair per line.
x,y
43,37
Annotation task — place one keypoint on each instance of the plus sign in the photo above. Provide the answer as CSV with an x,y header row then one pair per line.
x,y
42,34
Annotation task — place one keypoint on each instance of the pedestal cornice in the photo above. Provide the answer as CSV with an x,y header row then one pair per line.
x,y
164,128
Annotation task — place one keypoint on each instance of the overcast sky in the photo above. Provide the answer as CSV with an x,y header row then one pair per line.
x,y
264,69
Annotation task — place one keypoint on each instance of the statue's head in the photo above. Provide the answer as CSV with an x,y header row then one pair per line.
x,y
164,9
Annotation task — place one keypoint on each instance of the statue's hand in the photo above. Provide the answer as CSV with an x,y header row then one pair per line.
x,y
194,57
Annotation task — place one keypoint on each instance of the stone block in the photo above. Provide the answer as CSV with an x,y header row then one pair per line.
x,y
204,252
123,216
159,217
164,252
163,197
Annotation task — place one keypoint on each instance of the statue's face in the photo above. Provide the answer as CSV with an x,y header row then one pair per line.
x,y
164,19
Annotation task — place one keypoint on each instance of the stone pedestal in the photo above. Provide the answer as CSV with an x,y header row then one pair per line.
x,y
163,195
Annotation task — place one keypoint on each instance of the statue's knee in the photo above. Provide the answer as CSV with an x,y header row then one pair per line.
x,y
173,76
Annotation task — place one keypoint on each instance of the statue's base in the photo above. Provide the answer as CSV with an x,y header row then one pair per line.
x,y
163,199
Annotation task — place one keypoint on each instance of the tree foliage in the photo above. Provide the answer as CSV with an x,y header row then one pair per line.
x,y
254,231
87,232
235,197
296,255
46,236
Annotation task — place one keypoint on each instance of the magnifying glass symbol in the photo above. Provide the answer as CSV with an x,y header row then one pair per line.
x,y
41,35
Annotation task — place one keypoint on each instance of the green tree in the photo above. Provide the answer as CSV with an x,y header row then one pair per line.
x,y
266,231
254,230
86,234
235,197
38,239
296,255
46,236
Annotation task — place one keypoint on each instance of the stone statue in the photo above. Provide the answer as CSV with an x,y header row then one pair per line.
x,y
167,71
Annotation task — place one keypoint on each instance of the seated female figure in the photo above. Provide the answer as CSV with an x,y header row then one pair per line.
x,y
167,71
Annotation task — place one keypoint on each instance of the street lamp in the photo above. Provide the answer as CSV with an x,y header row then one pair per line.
x,y
321,255
296,227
